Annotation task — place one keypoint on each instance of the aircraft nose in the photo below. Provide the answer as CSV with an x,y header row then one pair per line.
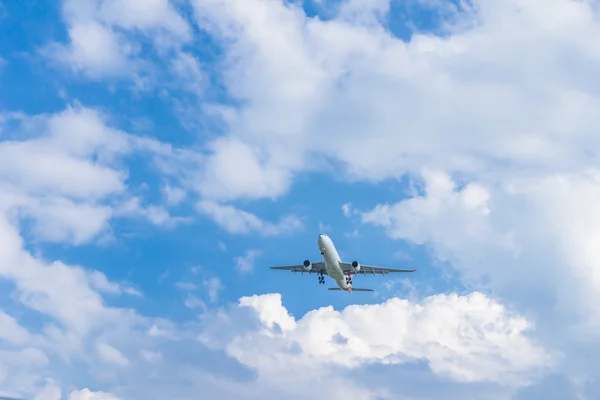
x,y
320,240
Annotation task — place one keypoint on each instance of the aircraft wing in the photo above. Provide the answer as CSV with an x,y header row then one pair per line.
x,y
371,270
318,267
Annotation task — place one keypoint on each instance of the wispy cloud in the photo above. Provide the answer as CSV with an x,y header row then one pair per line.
x,y
245,263
237,221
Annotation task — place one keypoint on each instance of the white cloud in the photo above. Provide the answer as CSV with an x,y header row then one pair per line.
x,y
245,263
98,281
260,176
465,338
150,356
69,286
95,49
382,107
214,287
65,174
56,160
530,240
50,391
157,215
110,355
174,195
237,221
72,311
87,394
145,15
12,331
99,44
194,302
62,220
187,68
156,331
500,237
347,209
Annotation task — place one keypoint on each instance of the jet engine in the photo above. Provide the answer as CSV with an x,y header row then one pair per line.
x,y
307,265
356,266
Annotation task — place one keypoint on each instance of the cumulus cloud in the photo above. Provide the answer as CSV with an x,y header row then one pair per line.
x,y
529,240
87,394
63,179
382,107
261,176
465,338
98,46
63,294
65,173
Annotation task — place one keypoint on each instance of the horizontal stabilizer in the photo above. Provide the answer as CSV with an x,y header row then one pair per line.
x,y
353,289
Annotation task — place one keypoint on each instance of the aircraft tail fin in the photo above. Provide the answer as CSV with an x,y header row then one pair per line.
x,y
352,290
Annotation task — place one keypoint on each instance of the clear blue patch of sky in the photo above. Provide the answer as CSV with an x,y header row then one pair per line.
x,y
29,24
405,18
26,84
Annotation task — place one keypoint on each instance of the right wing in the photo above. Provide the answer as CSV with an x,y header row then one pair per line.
x,y
318,267
370,270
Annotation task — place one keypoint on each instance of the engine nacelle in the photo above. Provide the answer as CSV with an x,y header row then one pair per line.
x,y
307,265
356,266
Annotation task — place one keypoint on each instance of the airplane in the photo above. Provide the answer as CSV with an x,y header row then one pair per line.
x,y
333,266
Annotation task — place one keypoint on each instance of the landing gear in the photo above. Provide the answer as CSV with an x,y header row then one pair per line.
x,y
349,280
321,279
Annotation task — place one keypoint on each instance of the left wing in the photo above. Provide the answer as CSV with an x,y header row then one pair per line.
x,y
370,270
318,267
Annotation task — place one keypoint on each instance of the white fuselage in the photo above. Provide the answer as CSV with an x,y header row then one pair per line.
x,y
332,261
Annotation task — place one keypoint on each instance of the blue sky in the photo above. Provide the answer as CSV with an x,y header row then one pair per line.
x,y
157,157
